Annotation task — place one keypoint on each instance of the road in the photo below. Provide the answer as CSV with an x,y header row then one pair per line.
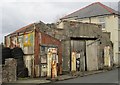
x,y
106,77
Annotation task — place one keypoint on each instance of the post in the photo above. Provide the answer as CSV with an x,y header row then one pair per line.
x,y
73,61
36,53
107,60
49,59
54,69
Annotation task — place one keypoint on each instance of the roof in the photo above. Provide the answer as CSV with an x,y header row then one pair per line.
x,y
22,29
29,27
94,9
42,27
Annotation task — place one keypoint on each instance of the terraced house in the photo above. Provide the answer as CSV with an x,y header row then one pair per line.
x,y
107,17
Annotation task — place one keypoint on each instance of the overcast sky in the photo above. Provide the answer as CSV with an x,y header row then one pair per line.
x,y
15,14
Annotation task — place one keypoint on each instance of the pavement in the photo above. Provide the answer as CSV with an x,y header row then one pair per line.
x,y
30,80
59,78
78,74
106,78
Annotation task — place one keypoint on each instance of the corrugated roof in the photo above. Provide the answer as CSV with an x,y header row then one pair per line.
x,y
94,9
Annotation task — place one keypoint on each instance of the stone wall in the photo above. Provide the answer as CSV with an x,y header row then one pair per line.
x,y
9,70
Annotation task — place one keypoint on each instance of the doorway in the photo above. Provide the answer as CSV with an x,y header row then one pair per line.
x,y
79,47
45,60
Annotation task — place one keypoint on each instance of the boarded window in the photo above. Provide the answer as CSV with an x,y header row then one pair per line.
x,y
43,54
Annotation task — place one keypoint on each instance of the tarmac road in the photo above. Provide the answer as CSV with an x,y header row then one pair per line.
x,y
106,77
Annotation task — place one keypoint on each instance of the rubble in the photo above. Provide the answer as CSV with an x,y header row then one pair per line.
x,y
9,70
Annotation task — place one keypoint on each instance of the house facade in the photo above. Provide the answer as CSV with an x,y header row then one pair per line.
x,y
107,17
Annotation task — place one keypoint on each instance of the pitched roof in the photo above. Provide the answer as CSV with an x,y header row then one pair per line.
x,y
94,9
29,27
22,29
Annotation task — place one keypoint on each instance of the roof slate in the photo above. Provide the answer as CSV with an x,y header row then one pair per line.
x,y
94,9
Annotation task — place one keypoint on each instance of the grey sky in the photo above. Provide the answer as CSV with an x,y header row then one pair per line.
x,y
15,14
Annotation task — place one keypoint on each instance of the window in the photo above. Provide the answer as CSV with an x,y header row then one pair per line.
x,y
119,26
102,22
119,22
80,20
119,47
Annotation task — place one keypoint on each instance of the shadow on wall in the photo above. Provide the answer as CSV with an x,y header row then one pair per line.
x,y
17,54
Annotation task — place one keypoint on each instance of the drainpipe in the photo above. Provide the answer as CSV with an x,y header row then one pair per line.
x,y
70,54
85,56
89,19
33,57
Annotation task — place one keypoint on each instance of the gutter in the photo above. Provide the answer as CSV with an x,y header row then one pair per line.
x,y
90,16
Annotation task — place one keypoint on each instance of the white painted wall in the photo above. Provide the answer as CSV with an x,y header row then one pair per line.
x,y
28,59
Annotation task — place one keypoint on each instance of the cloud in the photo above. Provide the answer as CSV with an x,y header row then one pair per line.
x,y
16,14
60,0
